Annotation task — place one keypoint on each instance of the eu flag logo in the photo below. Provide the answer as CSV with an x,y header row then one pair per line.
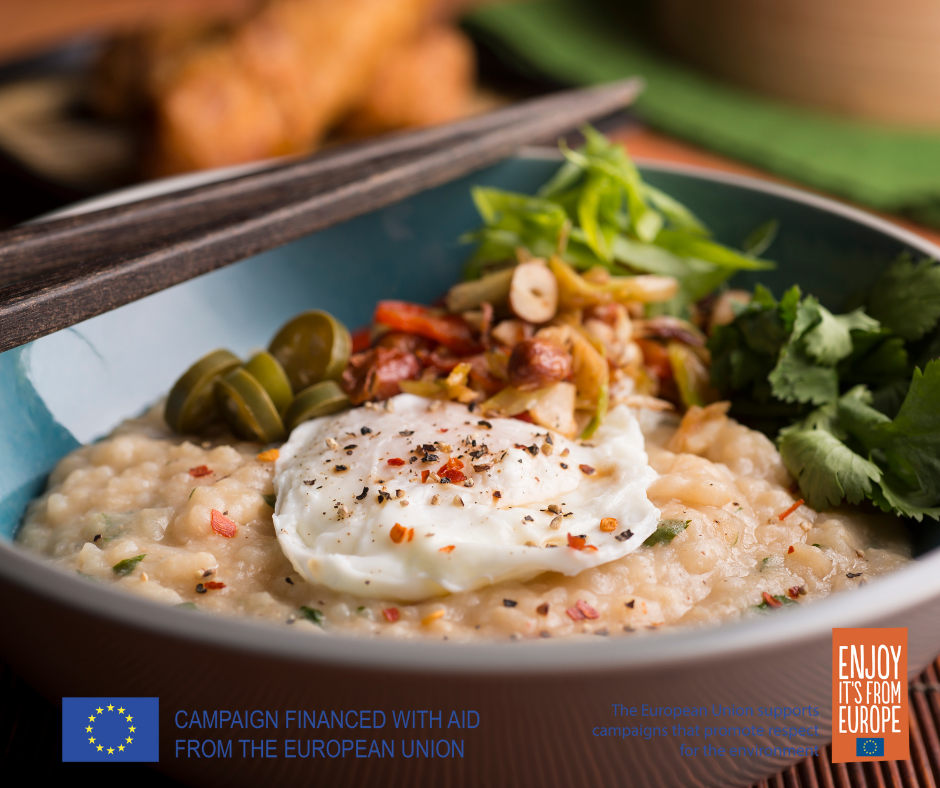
x,y
869,748
111,729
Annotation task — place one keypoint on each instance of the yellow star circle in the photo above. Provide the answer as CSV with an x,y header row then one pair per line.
x,y
110,750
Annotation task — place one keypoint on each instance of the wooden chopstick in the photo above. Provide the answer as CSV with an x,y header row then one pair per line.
x,y
34,248
118,255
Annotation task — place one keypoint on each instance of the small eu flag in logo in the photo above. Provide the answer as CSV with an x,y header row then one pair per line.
x,y
111,729
869,748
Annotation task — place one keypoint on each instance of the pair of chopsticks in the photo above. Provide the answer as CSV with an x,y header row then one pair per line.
x,y
56,273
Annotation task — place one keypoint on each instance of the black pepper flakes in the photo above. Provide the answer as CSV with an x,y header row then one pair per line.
x,y
497,494
510,603
630,604
97,537
587,470
485,424
481,468
200,588
407,433
384,496
851,575
430,458
310,482
365,430
564,465
350,446
340,468
288,581
624,535
363,494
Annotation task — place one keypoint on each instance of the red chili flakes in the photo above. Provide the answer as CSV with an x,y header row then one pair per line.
x,y
791,510
411,534
214,585
576,542
222,525
589,612
587,470
269,456
424,475
793,592
790,549
609,524
448,549
451,470
581,611
200,471
399,534
771,602
396,462
391,614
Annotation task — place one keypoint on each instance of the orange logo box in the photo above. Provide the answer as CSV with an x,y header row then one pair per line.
x,y
869,695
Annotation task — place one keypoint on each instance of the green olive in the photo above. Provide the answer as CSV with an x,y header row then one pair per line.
x,y
320,399
191,404
248,408
311,347
268,371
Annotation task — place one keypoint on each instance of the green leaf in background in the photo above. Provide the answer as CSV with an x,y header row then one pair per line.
x,y
906,298
759,240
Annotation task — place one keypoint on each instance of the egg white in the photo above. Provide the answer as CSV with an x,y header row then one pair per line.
x,y
336,525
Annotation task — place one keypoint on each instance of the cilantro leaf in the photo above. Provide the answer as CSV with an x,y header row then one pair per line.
x,y
761,238
911,442
827,470
906,298
797,378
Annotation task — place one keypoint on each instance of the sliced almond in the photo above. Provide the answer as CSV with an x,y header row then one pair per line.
x,y
533,292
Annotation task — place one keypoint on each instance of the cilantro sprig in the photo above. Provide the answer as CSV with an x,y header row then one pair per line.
x,y
597,211
852,398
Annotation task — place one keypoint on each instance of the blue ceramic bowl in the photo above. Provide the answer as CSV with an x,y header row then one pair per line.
x,y
538,701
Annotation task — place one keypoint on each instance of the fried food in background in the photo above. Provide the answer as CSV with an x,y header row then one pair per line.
x,y
282,79
425,82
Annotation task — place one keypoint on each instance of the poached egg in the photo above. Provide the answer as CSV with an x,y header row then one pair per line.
x,y
423,498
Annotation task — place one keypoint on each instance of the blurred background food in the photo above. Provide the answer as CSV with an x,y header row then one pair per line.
x,y
839,95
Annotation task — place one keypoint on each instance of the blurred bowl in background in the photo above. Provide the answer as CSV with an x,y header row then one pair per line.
x,y
871,59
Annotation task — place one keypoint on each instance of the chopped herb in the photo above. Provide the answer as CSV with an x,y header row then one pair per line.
x,y
270,499
312,614
666,531
125,567
773,601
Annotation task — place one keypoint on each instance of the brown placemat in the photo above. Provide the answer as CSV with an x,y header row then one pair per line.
x,y
31,746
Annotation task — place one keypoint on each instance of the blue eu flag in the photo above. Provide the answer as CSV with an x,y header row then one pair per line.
x,y
111,729
869,748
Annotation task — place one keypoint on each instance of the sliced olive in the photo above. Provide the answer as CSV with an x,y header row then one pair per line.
x,y
311,347
248,408
268,371
320,399
191,404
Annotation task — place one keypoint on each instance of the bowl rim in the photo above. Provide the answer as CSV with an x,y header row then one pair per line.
x,y
903,589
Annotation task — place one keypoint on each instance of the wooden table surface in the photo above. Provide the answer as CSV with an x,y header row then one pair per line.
x,y
30,727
